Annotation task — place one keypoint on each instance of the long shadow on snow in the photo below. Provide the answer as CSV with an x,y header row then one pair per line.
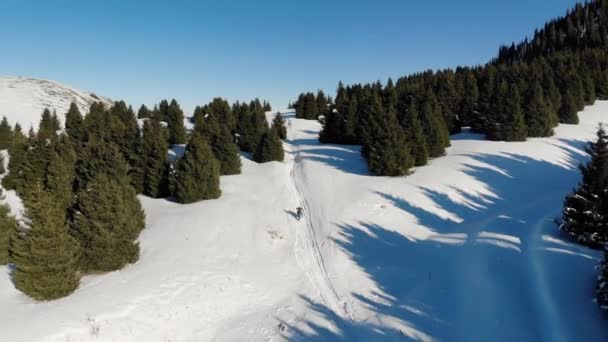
x,y
345,158
512,280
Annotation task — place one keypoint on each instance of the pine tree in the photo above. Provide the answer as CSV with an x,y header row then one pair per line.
x,y
17,160
602,283
435,130
515,124
99,157
414,135
585,213
278,124
74,123
8,224
144,112
198,173
60,173
389,153
48,126
568,110
107,221
270,148
539,117
44,253
175,119
154,160
6,134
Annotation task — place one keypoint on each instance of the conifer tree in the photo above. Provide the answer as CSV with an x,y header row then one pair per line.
x,y
270,148
99,157
48,126
585,212
144,112
198,173
44,253
515,124
389,153
539,117
568,110
278,124
8,224
435,130
6,134
74,124
60,173
107,221
175,120
17,160
154,160
414,135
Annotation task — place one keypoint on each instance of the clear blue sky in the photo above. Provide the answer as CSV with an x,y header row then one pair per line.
x,y
143,51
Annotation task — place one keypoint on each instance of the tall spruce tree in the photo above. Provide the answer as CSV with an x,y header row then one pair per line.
x,y
154,160
514,124
44,253
414,135
585,212
198,173
107,221
175,120
74,124
539,117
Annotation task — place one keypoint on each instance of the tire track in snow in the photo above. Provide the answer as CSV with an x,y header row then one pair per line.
x,y
308,252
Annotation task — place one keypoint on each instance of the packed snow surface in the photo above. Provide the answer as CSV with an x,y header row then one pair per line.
x,y
464,249
23,99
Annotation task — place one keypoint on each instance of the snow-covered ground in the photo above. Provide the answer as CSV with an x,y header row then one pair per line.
x,y
23,99
465,249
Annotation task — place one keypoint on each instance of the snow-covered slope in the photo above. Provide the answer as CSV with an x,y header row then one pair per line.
x,y
23,99
463,249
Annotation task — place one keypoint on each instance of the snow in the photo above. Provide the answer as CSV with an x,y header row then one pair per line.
x,y
23,99
463,249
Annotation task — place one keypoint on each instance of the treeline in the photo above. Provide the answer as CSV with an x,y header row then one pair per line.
x,y
584,217
505,100
79,185
310,105
583,27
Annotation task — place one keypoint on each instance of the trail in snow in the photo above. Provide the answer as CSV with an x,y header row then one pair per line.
x,y
307,248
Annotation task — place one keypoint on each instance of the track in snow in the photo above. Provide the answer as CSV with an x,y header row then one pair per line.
x,y
307,248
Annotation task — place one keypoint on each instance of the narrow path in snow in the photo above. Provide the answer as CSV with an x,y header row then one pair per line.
x,y
307,249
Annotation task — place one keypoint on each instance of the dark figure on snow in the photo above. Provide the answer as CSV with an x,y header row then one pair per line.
x,y
299,213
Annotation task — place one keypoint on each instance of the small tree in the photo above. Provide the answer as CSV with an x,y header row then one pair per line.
x,y
6,134
45,255
198,173
270,148
602,283
8,224
278,124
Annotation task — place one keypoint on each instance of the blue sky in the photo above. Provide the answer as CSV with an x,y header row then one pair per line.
x,y
144,51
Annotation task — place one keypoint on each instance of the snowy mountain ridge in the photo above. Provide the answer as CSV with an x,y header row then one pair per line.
x,y
22,99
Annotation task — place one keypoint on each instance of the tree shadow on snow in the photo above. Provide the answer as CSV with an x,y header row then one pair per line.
x,y
345,158
490,270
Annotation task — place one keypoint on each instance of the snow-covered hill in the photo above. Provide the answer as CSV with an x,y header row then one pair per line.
x,y
465,249
23,99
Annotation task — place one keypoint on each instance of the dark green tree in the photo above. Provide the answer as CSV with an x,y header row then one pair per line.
x,y
154,160
74,124
8,224
44,253
175,120
270,148
278,124
198,173
107,221
6,134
